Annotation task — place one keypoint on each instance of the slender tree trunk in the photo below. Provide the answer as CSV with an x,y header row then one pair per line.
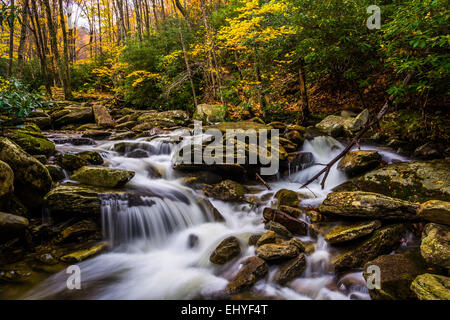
x,y
11,39
99,27
23,38
65,48
303,92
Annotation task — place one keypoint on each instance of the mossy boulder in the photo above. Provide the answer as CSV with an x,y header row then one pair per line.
x,y
210,113
279,229
102,177
414,181
431,287
252,270
6,179
383,241
72,115
241,125
274,251
290,270
344,233
360,161
287,197
359,204
435,211
397,273
74,200
338,125
56,172
70,161
31,178
227,190
31,141
92,157
227,250
435,246
268,237
11,225
294,225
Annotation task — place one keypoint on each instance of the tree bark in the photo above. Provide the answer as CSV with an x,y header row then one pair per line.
x,y
11,39
23,38
303,92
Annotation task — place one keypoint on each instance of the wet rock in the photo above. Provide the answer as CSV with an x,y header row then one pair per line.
x,y
253,239
360,204
32,142
360,161
138,153
123,136
253,269
77,230
435,211
41,119
96,134
291,270
345,233
70,162
279,229
127,147
193,241
56,172
427,151
337,125
228,249
302,247
31,178
41,158
431,287
76,141
397,273
47,259
92,157
313,132
287,197
294,225
227,190
72,115
241,125
6,179
82,255
11,225
413,181
102,177
268,237
10,203
102,116
295,137
383,241
435,246
272,251
126,125
210,113
320,228
88,126
165,119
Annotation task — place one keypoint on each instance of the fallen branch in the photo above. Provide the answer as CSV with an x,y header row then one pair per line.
x,y
355,140
263,182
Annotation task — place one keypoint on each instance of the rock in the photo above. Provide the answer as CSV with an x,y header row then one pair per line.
x,y
193,241
370,205
210,113
431,287
345,233
435,246
241,125
287,198
138,153
253,269
435,211
76,141
413,181
70,162
253,239
92,157
165,119
279,229
82,255
41,158
383,241
294,225
88,126
272,251
313,132
397,273
302,247
10,203
72,115
56,172
290,270
268,237
79,229
97,134
227,190
228,249
6,179
33,143
41,119
31,178
102,116
11,225
360,161
295,137
102,177
336,125
427,151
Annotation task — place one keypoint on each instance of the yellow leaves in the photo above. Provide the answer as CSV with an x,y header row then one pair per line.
x,y
143,76
172,57
102,72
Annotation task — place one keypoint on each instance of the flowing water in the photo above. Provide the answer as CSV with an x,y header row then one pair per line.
x,y
162,235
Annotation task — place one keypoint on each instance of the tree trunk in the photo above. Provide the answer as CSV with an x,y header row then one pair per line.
x,y
303,92
11,39
23,38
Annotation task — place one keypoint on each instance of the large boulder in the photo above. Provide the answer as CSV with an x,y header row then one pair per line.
x,y
338,125
41,119
369,205
227,190
435,211
165,119
253,269
228,249
92,157
32,142
72,115
70,161
383,241
431,287
102,177
290,270
274,251
294,225
11,225
287,197
102,116
360,161
397,273
6,179
435,246
413,181
31,178
344,233
210,113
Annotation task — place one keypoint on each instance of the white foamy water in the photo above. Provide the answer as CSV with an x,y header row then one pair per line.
x,y
161,237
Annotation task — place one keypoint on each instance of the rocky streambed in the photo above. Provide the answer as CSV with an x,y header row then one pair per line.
x,y
98,187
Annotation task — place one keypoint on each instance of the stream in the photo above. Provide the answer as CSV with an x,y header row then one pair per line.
x,y
160,242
